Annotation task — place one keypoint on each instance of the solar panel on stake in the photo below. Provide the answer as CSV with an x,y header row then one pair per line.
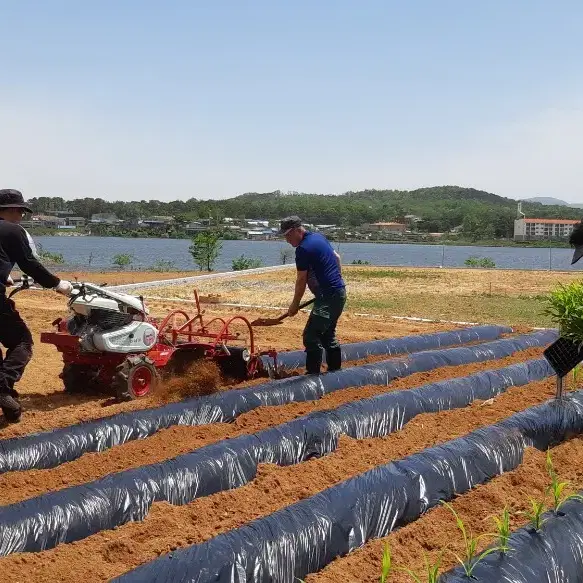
x,y
563,355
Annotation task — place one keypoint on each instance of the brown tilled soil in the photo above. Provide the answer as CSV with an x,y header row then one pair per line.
x,y
176,440
199,379
46,406
168,527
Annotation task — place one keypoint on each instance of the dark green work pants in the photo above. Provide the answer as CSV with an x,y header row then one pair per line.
x,y
320,332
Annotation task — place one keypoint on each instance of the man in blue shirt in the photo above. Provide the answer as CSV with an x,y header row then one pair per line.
x,y
318,268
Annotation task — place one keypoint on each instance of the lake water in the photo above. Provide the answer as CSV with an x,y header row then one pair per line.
x,y
95,253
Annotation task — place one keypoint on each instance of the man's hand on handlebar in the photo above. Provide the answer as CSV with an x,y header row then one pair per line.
x,y
64,288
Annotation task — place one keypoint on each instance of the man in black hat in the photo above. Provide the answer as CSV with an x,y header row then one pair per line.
x,y
17,247
318,268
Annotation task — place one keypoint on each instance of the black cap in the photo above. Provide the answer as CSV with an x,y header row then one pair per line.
x,y
289,223
11,199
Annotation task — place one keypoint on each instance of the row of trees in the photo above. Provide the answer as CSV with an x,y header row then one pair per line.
x,y
483,215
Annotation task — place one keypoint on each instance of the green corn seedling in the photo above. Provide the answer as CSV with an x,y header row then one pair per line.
x,y
503,530
387,564
557,487
549,465
470,559
535,514
431,570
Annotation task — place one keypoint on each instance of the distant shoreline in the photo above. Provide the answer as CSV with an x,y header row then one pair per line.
x,y
447,242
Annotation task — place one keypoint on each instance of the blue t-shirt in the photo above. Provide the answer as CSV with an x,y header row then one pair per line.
x,y
316,256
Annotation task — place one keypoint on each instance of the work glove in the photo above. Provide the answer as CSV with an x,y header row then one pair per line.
x,y
64,288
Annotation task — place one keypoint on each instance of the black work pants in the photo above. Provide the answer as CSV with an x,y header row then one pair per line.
x,y
17,339
320,332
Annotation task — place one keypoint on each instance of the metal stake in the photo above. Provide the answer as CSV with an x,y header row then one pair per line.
x,y
560,385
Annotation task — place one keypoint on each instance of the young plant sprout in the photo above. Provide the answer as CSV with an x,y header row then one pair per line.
x,y
431,570
557,487
503,530
535,514
386,566
470,560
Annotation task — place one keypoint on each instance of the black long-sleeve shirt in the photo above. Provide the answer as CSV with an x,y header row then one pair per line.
x,y
15,248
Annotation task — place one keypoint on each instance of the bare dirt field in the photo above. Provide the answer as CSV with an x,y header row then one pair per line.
x,y
111,553
47,406
468,295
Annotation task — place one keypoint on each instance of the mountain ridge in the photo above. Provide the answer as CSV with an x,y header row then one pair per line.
x,y
551,201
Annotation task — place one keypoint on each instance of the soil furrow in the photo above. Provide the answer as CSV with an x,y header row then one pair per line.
x,y
56,409
110,553
437,530
176,440
47,407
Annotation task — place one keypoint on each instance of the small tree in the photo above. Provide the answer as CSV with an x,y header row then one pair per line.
x,y
48,256
205,250
286,255
122,260
163,265
242,262
484,262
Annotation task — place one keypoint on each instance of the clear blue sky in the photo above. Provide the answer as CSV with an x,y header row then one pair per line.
x,y
129,99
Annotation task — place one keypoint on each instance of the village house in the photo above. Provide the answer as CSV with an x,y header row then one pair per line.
x,y
390,227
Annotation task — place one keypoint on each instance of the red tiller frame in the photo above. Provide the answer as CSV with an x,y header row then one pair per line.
x,y
170,339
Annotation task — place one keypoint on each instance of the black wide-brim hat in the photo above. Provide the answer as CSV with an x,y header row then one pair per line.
x,y
13,199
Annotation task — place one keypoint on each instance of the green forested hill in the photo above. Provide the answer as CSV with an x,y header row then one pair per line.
x,y
483,214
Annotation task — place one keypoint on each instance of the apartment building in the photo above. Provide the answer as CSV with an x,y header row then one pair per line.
x,y
540,229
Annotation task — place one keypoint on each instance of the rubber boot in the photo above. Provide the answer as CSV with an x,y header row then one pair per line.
x,y
11,408
313,362
334,359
